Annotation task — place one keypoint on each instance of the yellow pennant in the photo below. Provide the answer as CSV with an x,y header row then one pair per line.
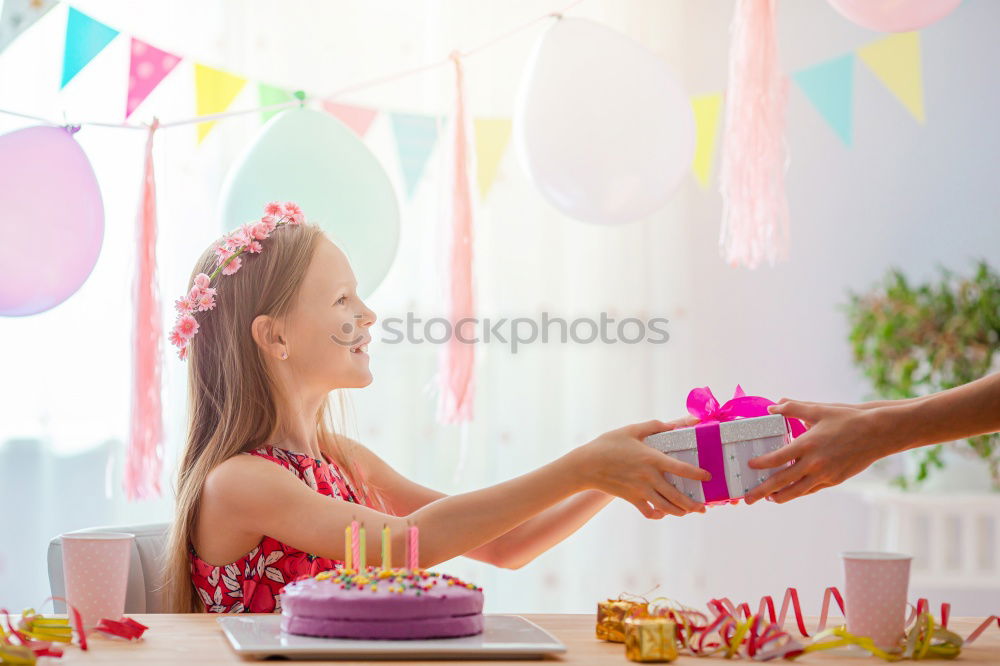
x,y
215,90
492,136
706,119
895,60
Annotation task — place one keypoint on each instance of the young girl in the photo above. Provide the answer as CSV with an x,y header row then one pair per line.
x,y
272,324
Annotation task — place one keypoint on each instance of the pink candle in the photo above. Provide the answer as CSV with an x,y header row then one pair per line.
x,y
413,552
355,544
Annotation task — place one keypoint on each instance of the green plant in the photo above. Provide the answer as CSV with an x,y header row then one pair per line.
x,y
911,340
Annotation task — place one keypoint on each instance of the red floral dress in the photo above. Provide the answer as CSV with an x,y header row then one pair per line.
x,y
251,584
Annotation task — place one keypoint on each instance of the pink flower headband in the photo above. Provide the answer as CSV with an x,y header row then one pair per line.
x,y
245,239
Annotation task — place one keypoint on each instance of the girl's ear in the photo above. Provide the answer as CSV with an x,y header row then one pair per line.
x,y
267,333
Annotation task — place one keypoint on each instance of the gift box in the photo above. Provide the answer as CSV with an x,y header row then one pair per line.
x,y
728,436
650,639
611,616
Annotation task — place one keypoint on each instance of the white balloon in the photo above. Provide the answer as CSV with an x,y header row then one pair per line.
x,y
601,125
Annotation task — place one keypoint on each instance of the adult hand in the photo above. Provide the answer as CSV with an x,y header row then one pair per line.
x,y
620,464
841,441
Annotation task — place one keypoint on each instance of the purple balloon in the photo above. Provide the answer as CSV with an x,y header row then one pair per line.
x,y
51,219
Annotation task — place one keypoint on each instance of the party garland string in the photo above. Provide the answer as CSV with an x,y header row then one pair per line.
x,y
302,98
35,635
735,631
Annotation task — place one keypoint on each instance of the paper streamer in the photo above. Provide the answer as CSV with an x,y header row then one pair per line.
x,y
752,174
144,460
35,635
734,630
455,367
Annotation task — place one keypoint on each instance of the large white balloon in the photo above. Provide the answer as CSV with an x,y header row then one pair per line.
x,y
601,125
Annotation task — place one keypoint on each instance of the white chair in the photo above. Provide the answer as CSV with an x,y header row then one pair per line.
x,y
145,576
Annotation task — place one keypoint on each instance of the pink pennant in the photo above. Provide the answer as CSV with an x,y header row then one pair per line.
x,y
147,68
358,118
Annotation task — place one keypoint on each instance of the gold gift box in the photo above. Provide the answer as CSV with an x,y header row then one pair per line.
x,y
611,616
650,639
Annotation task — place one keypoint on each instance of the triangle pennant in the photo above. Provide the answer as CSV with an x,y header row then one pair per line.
x,y
492,136
16,16
358,118
707,110
215,90
830,87
272,95
415,138
147,67
895,60
85,38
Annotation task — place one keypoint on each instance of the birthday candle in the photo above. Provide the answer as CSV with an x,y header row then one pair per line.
x,y
355,546
414,557
362,559
386,547
348,562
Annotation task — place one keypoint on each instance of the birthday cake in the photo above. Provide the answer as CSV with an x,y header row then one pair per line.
x,y
382,604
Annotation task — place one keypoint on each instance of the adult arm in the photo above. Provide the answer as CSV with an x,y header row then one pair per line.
x,y
843,440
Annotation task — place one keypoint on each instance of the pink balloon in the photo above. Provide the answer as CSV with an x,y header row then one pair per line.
x,y
51,220
894,15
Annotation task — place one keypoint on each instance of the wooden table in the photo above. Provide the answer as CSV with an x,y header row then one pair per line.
x,y
197,639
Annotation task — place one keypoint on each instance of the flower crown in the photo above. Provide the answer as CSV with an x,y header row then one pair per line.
x,y
228,260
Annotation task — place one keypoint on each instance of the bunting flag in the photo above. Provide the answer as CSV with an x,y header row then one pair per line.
x,y
147,67
270,95
85,38
830,87
492,136
358,118
707,109
415,138
16,16
895,60
215,90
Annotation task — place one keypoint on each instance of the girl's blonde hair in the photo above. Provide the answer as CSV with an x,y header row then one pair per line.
x,y
232,398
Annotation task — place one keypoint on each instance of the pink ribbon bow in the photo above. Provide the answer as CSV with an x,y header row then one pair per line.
x,y
702,404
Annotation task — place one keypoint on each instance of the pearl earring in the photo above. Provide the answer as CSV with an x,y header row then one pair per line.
x,y
284,355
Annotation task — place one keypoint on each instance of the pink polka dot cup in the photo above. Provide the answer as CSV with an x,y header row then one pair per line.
x,y
96,565
876,588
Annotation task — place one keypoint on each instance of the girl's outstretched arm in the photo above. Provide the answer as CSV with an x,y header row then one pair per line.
x,y
257,497
520,545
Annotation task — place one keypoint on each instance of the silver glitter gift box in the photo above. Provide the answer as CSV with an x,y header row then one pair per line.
x,y
724,450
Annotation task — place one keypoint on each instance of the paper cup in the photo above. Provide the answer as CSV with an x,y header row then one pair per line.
x,y
95,565
876,588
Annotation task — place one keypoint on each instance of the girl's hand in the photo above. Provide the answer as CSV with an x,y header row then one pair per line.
x,y
620,464
841,441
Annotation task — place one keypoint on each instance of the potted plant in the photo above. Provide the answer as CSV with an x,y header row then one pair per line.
x,y
915,339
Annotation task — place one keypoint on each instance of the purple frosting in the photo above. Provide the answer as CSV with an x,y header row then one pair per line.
x,y
324,608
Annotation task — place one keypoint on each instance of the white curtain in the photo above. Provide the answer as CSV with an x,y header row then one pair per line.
x,y
64,393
